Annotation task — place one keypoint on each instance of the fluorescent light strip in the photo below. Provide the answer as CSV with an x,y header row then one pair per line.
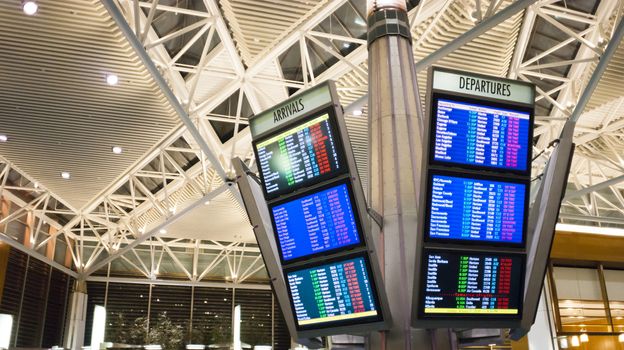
x,y
605,231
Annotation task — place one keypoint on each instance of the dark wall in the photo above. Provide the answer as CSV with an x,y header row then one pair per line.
x,y
36,295
204,314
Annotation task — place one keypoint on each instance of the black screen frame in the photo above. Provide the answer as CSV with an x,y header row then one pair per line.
x,y
465,317
436,96
342,159
344,180
349,322
479,176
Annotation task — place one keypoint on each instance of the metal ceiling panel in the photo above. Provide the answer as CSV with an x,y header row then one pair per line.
x,y
491,54
221,220
56,107
258,25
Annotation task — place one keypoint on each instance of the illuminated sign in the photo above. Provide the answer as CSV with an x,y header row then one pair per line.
x,y
333,293
300,156
483,86
476,209
471,284
298,106
475,134
319,222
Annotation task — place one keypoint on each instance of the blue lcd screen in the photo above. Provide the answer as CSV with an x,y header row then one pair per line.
x,y
480,210
482,136
335,292
316,223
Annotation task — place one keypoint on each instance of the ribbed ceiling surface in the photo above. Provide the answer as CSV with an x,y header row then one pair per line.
x,y
258,25
611,83
55,105
491,54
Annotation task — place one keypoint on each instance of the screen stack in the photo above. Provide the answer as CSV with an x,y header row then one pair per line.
x,y
475,284
316,206
299,156
476,202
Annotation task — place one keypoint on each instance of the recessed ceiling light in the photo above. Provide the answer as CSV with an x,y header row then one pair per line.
x,y
65,175
30,7
4,138
357,112
207,202
346,45
162,231
117,150
112,79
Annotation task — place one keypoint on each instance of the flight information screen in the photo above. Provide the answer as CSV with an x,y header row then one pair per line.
x,y
472,284
482,136
335,292
315,223
302,155
480,210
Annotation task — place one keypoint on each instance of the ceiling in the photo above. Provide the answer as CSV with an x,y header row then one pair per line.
x,y
57,108
225,61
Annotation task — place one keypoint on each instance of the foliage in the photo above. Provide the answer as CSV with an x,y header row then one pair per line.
x,y
221,331
137,334
211,330
166,334
162,332
117,329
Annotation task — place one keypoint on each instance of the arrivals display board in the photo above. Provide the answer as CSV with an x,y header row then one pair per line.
x,y
320,240
462,283
471,240
302,155
321,221
481,135
333,293
483,209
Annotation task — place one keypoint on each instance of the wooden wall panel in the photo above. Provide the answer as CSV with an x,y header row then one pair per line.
x,y
588,247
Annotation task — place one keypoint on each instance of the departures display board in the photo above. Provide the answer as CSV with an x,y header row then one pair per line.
x,y
332,293
472,284
318,222
299,156
320,241
481,135
484,209
474,202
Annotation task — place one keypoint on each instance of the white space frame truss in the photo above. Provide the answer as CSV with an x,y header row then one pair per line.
x,y
124,222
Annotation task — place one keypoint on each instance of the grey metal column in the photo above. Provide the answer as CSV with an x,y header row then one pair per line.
x,y
75,329
394,164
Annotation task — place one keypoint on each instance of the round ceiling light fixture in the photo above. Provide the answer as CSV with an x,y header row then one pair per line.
x,y
4,138
66,175
117,150
30,7
112,79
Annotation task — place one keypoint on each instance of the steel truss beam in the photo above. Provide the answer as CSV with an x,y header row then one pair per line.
x,y
112,222
180,283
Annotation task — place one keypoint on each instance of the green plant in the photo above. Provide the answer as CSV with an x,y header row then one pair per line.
x,y
221,331
117,328
165,333
137,333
